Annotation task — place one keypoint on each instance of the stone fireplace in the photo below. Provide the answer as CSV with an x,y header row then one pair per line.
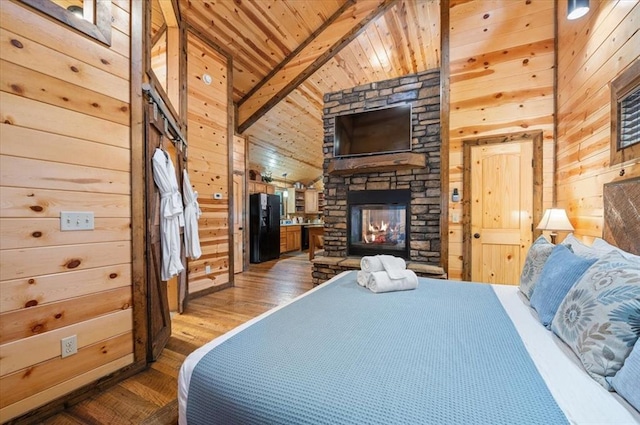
x,y
378,222
347,235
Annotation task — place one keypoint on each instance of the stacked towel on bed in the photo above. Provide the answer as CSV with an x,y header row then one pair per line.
x,y
385,273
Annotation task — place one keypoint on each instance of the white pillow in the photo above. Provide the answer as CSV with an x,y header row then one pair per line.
x,y
579,248
602,247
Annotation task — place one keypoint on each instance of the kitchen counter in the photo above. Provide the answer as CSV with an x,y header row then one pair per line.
x,y
302,224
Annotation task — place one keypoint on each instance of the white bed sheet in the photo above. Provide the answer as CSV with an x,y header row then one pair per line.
x,y
582,399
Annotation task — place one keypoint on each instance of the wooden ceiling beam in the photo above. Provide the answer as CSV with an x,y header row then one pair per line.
x,y
169,13
345,25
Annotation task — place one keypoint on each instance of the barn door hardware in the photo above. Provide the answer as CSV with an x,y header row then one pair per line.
x,y
171,127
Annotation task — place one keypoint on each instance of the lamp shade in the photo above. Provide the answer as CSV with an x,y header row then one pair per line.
x,y
577,9
555,219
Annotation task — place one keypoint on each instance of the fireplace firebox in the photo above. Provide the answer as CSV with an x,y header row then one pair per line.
x,y
378,222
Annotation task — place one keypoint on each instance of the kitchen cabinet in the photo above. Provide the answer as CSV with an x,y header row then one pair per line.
x,y
294,234
311,201
295,201
259,187
290,238
283,239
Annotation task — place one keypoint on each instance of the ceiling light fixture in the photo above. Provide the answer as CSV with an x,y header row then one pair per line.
x,y
76,10
285,193
577,9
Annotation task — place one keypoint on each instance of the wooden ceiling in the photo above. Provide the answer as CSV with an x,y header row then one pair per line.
x,y
288,53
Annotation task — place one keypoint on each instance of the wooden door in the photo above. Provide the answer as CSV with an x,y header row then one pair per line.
x,y
238,223
501,178
158,305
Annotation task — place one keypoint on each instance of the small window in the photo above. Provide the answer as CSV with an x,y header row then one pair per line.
x,y
164,54
91,17
625,115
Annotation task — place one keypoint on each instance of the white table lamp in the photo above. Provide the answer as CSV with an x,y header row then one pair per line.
x,y
555,219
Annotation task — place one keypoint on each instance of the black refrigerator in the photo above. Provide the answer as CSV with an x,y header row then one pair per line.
x,y
264,227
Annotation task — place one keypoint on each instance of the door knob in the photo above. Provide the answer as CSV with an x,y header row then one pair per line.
x,y
476,235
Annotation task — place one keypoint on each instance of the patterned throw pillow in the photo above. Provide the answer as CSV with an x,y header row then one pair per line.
x,y
600,316
536,257
562,270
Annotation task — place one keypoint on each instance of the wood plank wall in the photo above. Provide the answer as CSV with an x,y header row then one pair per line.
x,y
593,50
65,146
208,161
501,70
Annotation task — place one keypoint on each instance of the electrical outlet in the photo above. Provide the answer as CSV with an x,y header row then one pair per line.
x,y
207,269
69,345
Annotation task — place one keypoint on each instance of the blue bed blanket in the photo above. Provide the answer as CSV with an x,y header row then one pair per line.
x,y
445,353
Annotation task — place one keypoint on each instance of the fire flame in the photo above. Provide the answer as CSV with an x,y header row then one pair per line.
x,y
383,227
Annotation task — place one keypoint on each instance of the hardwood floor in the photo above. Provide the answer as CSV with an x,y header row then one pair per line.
x,y
150,397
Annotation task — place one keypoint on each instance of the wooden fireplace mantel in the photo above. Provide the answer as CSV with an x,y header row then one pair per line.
x,y
377,163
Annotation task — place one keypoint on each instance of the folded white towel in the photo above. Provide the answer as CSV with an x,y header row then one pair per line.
x,y
371,264
363,278
395,266
381,282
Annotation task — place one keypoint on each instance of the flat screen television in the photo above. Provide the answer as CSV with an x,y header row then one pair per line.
x,y
372,132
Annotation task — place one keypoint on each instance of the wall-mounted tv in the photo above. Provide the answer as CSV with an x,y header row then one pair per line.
x,y
372,132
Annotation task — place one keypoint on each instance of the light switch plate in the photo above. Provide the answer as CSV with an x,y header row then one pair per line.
x,y
76,220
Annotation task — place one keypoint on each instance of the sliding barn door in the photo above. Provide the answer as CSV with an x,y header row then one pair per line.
x,y
162,297
238,223
501,210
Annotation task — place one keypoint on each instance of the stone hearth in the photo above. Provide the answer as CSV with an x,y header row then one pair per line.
x,y
418,171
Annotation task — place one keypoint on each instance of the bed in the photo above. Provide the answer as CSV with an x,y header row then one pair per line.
x,y
445,353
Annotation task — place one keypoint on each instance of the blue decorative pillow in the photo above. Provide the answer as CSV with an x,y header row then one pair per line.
x,y
561,271
536,257
627,381
600,316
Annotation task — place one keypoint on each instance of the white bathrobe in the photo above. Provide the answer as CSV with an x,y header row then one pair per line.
x,y
191,215
171,218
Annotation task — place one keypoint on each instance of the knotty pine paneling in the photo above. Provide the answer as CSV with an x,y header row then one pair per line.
x,y
260,35
39,348
22,20
19,385
208,129
501,76
592,51
36,115
65,146
20,293
36,203
30,55
239,155
405,39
